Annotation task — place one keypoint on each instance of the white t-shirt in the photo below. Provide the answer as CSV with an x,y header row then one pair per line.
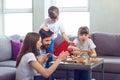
x,y
84,46
56,27
24,70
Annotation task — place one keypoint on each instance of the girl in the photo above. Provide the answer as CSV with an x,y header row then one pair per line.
x,y
87,48
28,64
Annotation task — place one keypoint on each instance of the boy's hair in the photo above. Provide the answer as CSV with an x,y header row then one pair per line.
x,y
45,34
83,30
53,12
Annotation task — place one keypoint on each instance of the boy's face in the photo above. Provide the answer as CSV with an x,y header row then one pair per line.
x,y
83,37
54,20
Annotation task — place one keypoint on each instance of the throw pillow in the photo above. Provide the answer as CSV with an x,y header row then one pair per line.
x,y
15,48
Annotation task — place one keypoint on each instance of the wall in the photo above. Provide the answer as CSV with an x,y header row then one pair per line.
x,y
105,16
1,17
40,9
38,13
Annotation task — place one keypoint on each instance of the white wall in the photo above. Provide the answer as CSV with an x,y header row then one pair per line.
x,y
1,17
105,16
40,9
38,13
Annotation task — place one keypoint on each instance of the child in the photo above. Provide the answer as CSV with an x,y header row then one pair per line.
x,y
87,49
53,23
28,64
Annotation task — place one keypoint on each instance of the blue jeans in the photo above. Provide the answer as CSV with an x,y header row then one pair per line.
x,y
81,74
42,78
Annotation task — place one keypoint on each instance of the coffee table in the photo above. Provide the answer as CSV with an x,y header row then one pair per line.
x,y
77,66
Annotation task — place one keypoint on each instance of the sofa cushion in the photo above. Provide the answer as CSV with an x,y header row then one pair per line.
x,y
5,48
58,40
15,48
111,64
107,43
10,63
17,38
7,73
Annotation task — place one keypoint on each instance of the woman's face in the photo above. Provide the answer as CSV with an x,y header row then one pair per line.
x,y
83,37
39,44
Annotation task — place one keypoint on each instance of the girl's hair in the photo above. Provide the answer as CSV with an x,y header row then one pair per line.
x,y
83,30
29,45
53,12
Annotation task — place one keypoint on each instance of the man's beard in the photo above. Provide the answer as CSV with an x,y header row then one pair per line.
x,y
45,46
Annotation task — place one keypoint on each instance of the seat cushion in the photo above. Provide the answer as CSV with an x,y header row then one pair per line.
x,y
111,64
10,63
7,73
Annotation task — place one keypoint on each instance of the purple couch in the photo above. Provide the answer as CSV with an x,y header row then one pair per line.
x,y
107,47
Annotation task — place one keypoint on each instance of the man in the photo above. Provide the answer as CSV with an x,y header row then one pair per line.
x,y
46,43
46,36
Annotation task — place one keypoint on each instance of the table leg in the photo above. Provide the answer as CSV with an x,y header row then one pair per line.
x,y
102,68
67,75
90,74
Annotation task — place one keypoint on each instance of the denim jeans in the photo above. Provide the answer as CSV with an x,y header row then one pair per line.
x,y
39,78
42,78
81,74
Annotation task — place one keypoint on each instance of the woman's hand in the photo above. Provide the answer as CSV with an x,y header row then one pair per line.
x,y
42,58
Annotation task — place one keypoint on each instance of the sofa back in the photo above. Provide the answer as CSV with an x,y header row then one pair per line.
x,y
5,46
107,44
60,39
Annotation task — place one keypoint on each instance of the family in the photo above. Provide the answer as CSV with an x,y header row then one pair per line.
x,y
37,50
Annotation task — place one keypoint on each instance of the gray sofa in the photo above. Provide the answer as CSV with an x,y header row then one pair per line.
x,y
107,47
7,64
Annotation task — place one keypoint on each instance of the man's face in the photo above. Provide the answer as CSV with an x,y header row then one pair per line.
x,y
46,41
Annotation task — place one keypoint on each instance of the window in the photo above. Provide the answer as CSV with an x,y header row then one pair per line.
x,y
72,3
17,17
18,23
18,4
73,14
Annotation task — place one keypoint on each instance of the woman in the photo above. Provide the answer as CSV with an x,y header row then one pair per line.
x,y
28,64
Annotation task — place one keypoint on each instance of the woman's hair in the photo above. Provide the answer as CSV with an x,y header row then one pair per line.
x,y
29,45
83,30
53,12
